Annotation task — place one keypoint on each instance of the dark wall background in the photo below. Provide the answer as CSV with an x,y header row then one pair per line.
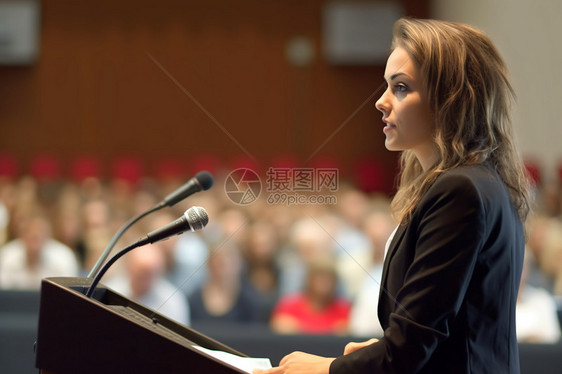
x,y
158,79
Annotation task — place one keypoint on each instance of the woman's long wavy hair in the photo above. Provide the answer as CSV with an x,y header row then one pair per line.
x,y
470,97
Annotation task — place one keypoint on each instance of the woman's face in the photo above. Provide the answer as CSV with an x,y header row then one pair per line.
x,y
404,105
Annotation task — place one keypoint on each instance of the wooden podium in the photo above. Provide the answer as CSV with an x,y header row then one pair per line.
x,y
110,333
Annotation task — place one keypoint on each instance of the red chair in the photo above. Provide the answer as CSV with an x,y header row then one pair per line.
x,y
45,167
128,169
533,170
9,167
370,175
84,167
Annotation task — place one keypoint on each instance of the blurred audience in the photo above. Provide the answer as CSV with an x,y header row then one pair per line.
x,y
317,309
251,263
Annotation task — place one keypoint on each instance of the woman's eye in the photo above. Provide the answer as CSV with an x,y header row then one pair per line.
x,y
401,88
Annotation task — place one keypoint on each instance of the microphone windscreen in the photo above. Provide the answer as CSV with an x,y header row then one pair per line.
x,y
205,179
197,218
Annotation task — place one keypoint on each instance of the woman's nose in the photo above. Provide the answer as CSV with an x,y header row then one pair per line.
x,y
382,103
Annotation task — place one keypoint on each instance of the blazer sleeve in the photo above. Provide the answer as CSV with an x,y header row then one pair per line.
x,y
443,238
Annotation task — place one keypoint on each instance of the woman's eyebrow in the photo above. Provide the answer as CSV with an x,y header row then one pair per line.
x,y
396,75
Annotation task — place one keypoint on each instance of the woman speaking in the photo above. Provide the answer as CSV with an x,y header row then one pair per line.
x,y
453,265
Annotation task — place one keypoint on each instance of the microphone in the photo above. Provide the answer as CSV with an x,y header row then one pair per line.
x,y
194,219
201,181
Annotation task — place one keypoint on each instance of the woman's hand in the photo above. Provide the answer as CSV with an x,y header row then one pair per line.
x,y
352,347
300,363
305,363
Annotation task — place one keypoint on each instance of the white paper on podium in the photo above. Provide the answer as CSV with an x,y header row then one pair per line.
x,y
246,364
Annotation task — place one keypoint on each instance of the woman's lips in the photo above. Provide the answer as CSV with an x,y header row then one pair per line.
x,y
388,127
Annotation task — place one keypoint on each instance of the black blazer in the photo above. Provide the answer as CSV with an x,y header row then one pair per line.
x,y
450,283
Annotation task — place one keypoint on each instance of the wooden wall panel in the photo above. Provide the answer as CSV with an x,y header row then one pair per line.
x,y
171,78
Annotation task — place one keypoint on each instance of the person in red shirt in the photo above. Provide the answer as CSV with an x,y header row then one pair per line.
x,y
317,310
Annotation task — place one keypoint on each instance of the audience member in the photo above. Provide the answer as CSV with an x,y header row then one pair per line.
x,y
282,218
25,205
224,297
317,309
551,255
233,224
538,228
34,255
185,255
261,271
144,282
550,198
309,241
7,201
96,232
68,219
536,314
